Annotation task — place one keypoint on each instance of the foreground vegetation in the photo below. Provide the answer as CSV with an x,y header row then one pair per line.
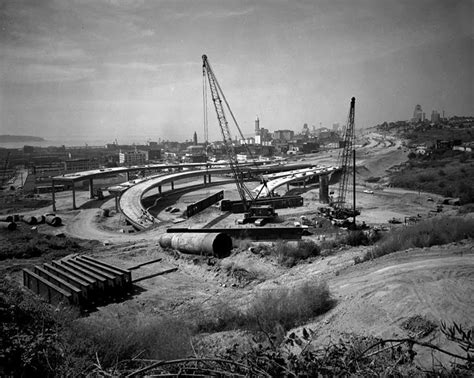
x,y
38,340
24,243
270,311
434,231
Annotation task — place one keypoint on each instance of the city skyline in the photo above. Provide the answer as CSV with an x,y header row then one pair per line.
x,y
120,69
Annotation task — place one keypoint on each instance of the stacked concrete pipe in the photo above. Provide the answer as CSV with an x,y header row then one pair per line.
x,y
10,226
53,220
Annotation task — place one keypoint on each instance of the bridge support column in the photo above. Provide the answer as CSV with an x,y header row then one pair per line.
x,y
159,189
205,181
53,194
128,176
74,196
324,188
287,187
209,178
172,185
91,188
116,195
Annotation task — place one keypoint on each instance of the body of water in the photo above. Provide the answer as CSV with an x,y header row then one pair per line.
x,y
76,142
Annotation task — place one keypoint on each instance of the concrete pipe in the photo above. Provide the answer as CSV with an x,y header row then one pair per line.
x,y
31,220
40,218
10,226
53,220
215,244
8,218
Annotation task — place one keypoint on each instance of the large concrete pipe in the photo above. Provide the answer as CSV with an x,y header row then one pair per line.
x,y
7,218
10,226
215,244
53,220
40,218
31,220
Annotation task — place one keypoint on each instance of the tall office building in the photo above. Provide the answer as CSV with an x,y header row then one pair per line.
x,y
435,116
417,114
257,126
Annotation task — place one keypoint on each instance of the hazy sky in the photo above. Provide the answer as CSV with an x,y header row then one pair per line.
x,y
132,69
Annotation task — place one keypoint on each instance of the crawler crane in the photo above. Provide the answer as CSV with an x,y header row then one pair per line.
x,y
341,210
253,213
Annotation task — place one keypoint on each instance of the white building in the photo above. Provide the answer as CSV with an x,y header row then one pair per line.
x,y
132,157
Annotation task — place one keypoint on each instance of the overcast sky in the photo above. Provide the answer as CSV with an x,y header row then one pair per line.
x,y
132,69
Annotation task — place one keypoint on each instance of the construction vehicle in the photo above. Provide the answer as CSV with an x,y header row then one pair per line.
x,y
258,214
339,208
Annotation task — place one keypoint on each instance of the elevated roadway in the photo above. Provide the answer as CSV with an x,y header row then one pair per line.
x,y
130,202
261,167
285,178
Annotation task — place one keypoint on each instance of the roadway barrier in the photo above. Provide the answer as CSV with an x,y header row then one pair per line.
x,y
204,204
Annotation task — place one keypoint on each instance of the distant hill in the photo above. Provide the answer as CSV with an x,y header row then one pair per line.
x,y
19,138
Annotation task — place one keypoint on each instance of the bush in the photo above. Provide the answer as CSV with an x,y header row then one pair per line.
x,y
280,308
31,340
424,234
373,179
356,238
120,339
290,253
23,245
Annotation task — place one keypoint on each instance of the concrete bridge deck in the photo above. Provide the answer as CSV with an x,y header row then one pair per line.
x,y
286,178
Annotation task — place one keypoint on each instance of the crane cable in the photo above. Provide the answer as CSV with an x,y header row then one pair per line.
x,y
249,193
204,105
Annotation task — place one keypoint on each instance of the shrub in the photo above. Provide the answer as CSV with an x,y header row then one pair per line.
x,y
269,310
426,177
23,245
356,238
373,179
120,339
424,234
31,340
290,253
289,307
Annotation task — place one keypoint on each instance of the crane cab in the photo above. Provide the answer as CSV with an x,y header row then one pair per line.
x,y
259,214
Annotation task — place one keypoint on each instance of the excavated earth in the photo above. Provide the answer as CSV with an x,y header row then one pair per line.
x,y
373,298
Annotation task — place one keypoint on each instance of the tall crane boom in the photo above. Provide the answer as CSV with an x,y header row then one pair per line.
x,y
216,92
345,157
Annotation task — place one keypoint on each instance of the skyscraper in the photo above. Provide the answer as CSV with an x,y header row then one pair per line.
x,y
257,126
417,114
435,116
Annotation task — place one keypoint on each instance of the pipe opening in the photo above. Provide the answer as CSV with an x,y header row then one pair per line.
x,y
222,245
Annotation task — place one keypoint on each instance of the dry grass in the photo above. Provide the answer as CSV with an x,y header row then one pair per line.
x,y
431,232
272,309
112,340
290,253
